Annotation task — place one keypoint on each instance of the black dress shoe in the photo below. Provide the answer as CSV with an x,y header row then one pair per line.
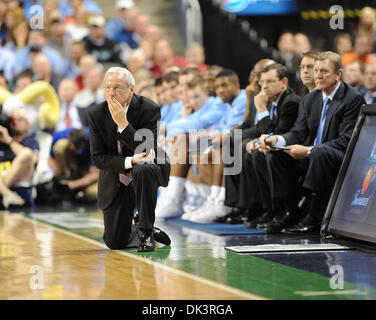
x,y
236,217
147,243
265,217
161,236
222,219
277,224
306,225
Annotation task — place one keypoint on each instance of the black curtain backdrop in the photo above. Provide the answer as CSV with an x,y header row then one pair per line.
x,y
227,45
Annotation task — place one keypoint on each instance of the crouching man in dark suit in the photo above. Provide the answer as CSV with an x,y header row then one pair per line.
x,y
318,142
123,145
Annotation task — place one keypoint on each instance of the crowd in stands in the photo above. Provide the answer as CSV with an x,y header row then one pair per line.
x,y
50,77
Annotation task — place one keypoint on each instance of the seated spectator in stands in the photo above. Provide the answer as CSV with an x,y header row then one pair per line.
x,y
3,27
18,156
286,47
58,38
70,115
122,29
317,141
22,81
370,83
77,27
70,161
76,52
147,91
306,69
105,50
136,61
3,81
144,78
164,57
6,63
353,74
302,43
86,63
147,47
343,43
42,70
13,18
68,7
93,92
153,34
195,56
362,51
367,24
37,42
19,35
141,27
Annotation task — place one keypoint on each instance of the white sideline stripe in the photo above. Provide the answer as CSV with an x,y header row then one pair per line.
x,y
221,286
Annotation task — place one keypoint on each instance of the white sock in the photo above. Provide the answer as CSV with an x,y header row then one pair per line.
x,y
214,191
222,194
175,187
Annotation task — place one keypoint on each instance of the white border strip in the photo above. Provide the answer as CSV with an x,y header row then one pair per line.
x,y
238,292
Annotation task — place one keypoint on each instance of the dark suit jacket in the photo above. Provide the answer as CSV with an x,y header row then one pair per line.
x,y
287,112
340,119
142,114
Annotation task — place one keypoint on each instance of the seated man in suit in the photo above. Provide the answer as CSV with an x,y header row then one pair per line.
x,y
317,144
277,108
306,75
232,182
70,115
123,145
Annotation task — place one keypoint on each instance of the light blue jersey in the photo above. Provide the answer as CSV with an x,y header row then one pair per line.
x,y
233,115
209,114
172,112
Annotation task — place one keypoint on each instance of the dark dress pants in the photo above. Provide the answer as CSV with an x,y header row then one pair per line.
x,y
119,233
319,171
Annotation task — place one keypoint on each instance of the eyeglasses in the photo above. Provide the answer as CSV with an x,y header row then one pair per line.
x,y
115,89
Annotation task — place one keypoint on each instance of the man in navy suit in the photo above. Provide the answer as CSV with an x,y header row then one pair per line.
x,y
123,144
317,141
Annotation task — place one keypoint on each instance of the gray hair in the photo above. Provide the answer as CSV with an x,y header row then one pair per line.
x,y
124,72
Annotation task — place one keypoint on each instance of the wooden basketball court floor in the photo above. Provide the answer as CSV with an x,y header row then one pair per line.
x,y
60,255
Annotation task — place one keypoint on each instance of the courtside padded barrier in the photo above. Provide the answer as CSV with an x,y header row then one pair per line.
x,y
217,228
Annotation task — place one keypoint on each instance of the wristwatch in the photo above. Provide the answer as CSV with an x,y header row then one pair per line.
x,y
309,151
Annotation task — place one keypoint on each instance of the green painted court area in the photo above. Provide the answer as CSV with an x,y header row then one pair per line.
x,y
268,276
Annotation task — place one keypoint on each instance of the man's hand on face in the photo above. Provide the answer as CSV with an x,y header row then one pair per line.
x,y
261,101
4,135
118,113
